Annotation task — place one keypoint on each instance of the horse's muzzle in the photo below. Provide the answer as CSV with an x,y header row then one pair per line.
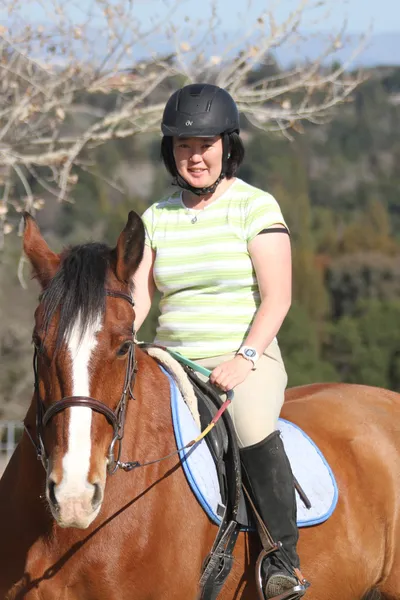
x,y
73,507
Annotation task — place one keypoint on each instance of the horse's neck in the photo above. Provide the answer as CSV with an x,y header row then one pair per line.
x,y
22,486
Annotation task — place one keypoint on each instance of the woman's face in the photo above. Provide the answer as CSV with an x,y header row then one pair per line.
x,y
198,160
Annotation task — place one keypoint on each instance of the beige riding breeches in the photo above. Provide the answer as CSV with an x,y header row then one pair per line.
x,y
258,400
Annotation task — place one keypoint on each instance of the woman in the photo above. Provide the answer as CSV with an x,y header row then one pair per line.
x,y
218,250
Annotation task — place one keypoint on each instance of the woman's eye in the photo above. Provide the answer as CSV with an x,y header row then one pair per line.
x,y
124,349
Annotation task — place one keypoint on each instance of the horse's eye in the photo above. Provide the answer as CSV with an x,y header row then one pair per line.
x,y
124,349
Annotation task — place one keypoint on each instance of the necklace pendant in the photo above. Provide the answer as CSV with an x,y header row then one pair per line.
x,y
194,220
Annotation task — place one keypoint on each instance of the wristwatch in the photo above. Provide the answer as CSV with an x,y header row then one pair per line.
x,y
249,353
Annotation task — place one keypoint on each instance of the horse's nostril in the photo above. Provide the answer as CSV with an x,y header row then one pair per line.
x,y
52,494
97,495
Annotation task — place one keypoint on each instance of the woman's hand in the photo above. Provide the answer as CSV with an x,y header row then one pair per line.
x,y
231,373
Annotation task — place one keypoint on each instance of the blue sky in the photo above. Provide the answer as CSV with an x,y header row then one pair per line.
x,y
236,17
382,15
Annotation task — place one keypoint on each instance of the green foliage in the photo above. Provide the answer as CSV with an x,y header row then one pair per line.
x,y
301,350
366,347
369,276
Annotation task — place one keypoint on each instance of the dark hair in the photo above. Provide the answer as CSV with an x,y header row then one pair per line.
x,y
236,150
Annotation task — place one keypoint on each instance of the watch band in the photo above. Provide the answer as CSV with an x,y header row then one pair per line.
x,y
249,353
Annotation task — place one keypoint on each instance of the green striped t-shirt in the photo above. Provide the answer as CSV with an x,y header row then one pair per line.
x,y
203,268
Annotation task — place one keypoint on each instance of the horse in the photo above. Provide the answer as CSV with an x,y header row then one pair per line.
x,y
83,529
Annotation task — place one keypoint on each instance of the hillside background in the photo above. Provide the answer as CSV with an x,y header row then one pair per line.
x,y
339,188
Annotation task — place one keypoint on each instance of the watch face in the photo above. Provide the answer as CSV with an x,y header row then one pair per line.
x,y
250,352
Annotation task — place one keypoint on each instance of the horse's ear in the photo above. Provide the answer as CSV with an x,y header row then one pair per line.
x,y
128,252
44,261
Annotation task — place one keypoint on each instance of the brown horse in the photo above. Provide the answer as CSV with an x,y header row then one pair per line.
x,y
74,531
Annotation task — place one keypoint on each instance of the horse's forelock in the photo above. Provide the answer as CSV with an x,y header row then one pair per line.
x,y
78,289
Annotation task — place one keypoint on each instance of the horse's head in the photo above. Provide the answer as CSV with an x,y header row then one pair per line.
x,y
84,362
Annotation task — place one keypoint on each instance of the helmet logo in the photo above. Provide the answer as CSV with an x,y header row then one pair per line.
x,y
189,123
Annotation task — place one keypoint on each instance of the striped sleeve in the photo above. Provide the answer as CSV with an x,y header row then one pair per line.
x,y
148,220
262,212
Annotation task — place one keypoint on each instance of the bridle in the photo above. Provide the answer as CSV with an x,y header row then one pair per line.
x,y
116,417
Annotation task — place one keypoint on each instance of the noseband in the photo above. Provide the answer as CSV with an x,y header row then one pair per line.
x,y
115,418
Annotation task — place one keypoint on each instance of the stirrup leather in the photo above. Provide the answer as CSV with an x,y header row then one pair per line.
x,y
293,594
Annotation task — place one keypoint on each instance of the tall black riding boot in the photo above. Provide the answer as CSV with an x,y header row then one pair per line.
x,y
271,483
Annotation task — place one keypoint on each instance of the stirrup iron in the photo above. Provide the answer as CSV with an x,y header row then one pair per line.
x,y
293,594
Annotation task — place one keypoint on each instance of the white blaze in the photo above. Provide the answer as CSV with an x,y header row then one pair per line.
x,y
76,461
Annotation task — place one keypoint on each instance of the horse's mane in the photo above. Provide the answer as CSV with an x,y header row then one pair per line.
x,y
77,289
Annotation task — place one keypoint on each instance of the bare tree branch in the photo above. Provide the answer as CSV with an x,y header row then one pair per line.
x,y
56,70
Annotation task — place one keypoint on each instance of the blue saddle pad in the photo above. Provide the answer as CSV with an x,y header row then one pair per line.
x,y
308,465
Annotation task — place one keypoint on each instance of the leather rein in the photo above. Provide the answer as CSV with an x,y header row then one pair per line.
x,y
116,417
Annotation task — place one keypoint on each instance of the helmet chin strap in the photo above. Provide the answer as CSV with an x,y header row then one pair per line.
x,y
182,183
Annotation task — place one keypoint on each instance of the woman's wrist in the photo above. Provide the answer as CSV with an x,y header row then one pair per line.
x,y
250,353
240,357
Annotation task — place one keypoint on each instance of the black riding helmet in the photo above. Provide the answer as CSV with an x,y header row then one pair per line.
x,y
201,110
